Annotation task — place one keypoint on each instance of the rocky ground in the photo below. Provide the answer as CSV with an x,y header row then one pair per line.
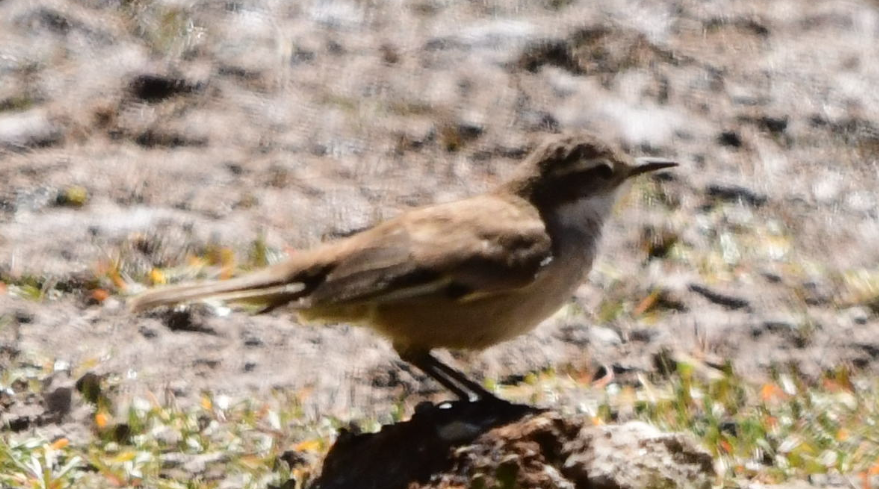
x,y
146,142
469,445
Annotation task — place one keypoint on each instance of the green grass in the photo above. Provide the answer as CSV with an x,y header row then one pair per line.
x,y
152,444
788,428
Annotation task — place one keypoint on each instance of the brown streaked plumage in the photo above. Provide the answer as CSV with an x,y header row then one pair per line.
x,y
464,275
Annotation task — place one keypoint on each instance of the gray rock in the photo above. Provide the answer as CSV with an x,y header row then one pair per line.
x,y
724,299
516,445
780,323
58,392
816,292
736,193
252,340
59,400
644,335
826,190
21,416
338,14
861,201
168,436
828,480
148,332
599,335
857,315
234,481
192,464
637,455
28,129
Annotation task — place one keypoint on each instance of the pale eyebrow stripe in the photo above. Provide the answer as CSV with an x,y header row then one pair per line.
x,y
580,165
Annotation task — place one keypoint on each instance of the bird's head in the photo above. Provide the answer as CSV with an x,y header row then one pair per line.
x,y
577,167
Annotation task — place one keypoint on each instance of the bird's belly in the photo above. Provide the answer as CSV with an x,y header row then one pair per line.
x,y
474,324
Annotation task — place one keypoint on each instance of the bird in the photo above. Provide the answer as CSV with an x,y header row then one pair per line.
x,y
462,275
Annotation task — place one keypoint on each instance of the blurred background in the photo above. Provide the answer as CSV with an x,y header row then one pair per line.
x,y
146,142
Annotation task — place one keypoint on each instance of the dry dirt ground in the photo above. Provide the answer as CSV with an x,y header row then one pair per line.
x,y
139,137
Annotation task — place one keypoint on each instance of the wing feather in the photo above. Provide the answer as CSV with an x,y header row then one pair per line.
x,y
463,250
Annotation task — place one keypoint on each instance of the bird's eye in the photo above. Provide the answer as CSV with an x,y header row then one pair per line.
x,y
603,171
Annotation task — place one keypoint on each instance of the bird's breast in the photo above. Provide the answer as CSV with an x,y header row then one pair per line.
x,y
476,324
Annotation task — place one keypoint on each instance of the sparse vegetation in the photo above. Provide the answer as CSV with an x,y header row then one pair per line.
x,y
788,427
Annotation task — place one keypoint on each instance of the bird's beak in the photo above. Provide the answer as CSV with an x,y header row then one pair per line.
x,y
646,164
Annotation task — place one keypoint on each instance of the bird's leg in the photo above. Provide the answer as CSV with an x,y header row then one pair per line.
x,y
450,378
458,376
424,363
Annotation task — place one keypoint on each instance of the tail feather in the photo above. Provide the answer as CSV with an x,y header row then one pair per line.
x,y
260,288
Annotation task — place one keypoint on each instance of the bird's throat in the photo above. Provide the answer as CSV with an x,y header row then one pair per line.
x,y
575,227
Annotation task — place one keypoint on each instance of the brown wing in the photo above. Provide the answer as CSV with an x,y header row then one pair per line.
x,y
461,251
465,249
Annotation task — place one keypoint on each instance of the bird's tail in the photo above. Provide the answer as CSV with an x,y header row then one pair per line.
x,y
266,288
